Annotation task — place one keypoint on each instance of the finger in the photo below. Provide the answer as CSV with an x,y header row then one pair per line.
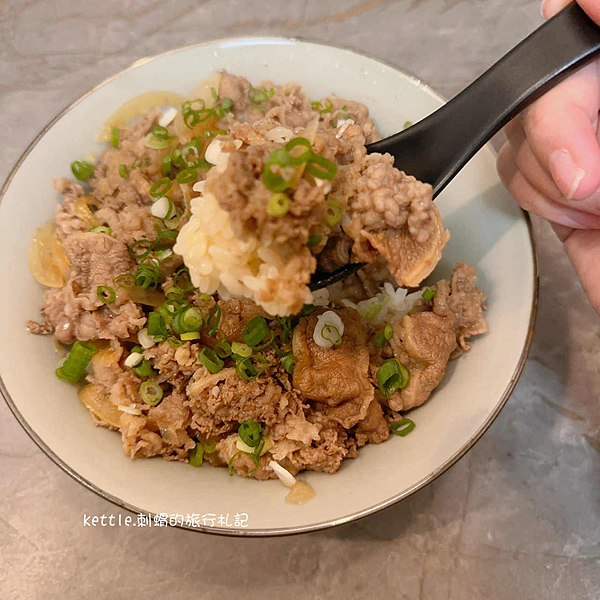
x,y
583,248
528,163
561,129
592,8
551,7
531,200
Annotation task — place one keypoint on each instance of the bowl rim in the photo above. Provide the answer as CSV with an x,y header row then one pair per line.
x,y
283,531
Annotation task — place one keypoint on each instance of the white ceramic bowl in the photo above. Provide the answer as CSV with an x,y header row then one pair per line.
x,y
488,231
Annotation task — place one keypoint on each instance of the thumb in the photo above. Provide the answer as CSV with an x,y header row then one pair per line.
x,y
561,130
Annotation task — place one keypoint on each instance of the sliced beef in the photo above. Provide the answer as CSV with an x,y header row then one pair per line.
x,y
373,428
423,343
462,301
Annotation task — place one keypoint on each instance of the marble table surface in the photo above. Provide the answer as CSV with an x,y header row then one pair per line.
x,y
517,518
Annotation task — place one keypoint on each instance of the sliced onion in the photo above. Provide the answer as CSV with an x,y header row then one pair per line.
x,y
283,474
95,401
47,261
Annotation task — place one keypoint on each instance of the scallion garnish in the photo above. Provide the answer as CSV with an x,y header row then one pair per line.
x,y
272,180
174,342
307,309
210,360
334,213
289,362
164,237
215,132
101,229
332,334
161,187
115,134
140,249
196,455
250,433
214,319
255,331
313,240
279,205
391,377
428,295
241,350
166,165
223,349
144,369
320,167
189,336
75,365
82,169
230,463
258,97
251,367
296,158
106,294
192,319
188,175
318,107
384,336
148,275
407,124
151,393
126,280
157,328
402,427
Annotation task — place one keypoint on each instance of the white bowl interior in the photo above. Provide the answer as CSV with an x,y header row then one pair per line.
x,y
488,231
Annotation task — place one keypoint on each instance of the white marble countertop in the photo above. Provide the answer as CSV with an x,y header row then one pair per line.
x,y
518,517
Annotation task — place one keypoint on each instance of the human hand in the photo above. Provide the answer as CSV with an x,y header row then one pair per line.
x,y
551,162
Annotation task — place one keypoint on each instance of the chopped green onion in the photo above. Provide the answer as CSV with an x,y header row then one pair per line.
x,y
174,342
230,463
106,294
82,169
126,280
429,295
226,105
334,213
174,292
192,319
148,275
304,156
242,350
223,349
211,325
214,94
210,448
157,328
247,369
318,107
166,165
388,332
289,362
258,97
190,148
321,168
407,124
279,205
380,340
115,134
144,369
151,141
307,309
145,245
402,427
151,393
196,455
250,433
335,337
140,163
187,175
190,336
373,311
101,229
161,187
161,133
75,365
255,331
391,377
176,158
123,171
210,360
274,181
167,236
162,255
313,240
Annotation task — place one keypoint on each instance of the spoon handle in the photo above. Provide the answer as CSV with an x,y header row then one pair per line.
x,y
437,148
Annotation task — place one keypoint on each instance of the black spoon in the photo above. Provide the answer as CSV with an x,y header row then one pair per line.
x,y
438,147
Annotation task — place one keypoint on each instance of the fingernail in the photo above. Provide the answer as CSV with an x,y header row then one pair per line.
x,y
542,8
565,172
